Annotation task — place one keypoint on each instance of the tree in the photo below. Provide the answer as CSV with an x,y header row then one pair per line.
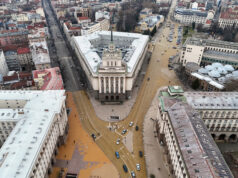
x,y
153,31
146,32
199,27
195,84
185,31
227,33
193,25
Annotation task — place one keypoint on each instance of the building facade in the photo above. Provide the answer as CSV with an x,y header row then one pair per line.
x,y
204,52
188,16
32,126
228,18
25,59
111,65
188,145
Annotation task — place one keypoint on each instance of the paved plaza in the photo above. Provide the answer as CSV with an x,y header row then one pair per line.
x,y
81,155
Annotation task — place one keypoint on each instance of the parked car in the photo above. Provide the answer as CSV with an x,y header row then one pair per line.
x,y
118,141
131,124
125,168
133,175
117,155
138,167
124,131
141,154
137,128
93,136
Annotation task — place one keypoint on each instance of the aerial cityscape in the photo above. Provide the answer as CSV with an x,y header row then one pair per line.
x,y
118,88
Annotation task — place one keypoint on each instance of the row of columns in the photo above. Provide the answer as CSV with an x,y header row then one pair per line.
x,y
109,88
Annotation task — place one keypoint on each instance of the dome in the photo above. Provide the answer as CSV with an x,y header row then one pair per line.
x,y
222,79
229,75
209,67
221,70
203,71
235,73
229,67
216,64
214,74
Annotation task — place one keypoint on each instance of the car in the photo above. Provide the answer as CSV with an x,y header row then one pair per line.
x,y
117,155
131,124
93,136
138,167
125,168
141,154
137,128
118,141
133,175
174,47
124,131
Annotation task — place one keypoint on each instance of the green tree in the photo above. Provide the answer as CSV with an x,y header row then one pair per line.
x,y
195,84
146,32
199,27
153,31
193,25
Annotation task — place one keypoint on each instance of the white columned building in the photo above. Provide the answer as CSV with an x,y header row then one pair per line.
x,y
111,65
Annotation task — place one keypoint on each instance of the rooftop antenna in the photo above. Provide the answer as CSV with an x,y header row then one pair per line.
x,y
111,26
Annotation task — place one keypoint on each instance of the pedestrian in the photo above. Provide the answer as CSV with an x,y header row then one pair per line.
x,y
67,162
65,156
74,141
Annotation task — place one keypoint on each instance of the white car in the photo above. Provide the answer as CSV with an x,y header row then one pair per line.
x,y
118,141
137,167
131,124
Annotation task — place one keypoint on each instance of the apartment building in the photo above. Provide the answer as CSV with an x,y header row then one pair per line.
x,y
205,51
48,79
25,59
101,25
32,126
40,55
17,81
228,17
188,16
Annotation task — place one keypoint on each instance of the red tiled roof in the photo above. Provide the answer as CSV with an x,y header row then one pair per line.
x,y
52,79
229,14
11,25
83,18
74,28
208,22
23,50
15,76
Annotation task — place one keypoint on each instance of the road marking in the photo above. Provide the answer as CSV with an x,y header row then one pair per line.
x,y
98,138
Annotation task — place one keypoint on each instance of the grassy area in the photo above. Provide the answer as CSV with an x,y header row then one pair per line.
x,y
187,32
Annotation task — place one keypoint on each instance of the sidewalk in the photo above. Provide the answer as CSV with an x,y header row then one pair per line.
x,y
153,151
